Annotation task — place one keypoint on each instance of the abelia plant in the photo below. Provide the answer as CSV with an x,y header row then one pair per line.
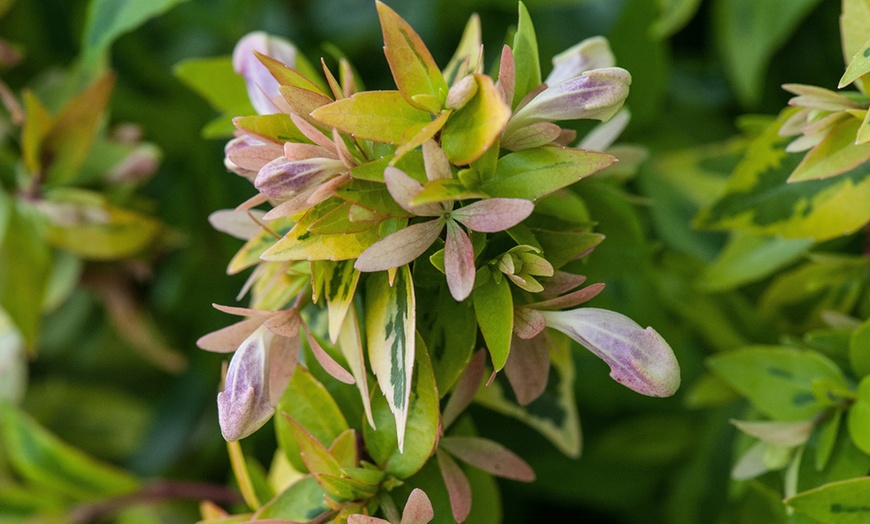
x,y
405,229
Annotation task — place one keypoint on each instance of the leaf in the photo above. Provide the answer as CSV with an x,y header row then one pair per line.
x,y
390,328
308,403
371,195
382,116
46,461
533,173
777,380
74,130
749,33
277,128
421,432
494,214
350,343
675,14
489,456
450,332
465,59
37,125
25,263
250,252
859,350
473,128
444,190
528,368
787,434
858,66
414,70
757,200
458,261
494,310
339,285
400,248
316,457
843,502
301,244
458,488
299,502
215,80
418,508
748,258
526,59
109,19
858,419
836,154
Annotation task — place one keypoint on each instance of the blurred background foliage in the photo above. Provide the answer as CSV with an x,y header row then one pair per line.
x,y
697,65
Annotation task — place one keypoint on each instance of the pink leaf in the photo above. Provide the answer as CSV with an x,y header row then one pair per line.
x,y
252,158
437,165
299,151
329,364
283,357
528,323
571,299
240,224
403,189
285,323
400,248
311,132
507,75
242,311
228,339
418,509
489,456
494,214
365,519
458,487
528,368
560,283
465,389
458,262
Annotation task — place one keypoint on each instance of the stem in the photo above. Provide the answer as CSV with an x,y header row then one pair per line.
x,y
159,491
240,470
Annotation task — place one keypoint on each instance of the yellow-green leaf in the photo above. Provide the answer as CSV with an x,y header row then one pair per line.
x,y
416,74
843,502
390,327
472,129
526,59
443,190
466,58
37,124
494,309
382,116
249,254
278,128
836,154
858,66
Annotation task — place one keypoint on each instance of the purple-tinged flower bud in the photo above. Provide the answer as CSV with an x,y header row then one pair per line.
x,y
596,94
262,87
461,93
245,404
592,53
639,359
282,178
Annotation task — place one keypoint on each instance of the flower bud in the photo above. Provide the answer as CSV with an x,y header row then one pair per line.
x,y
245,404
592,53
262,87
639,359
282,178
461,93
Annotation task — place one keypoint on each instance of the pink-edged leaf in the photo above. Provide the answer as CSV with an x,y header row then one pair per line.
x,y
228,339
341,150
571,299
437,165
382,116
253,158
418,509
507,75
240,224
561,282
311,132
458,487
299,151
327,362
400,248
528,323
639,359
403,189
465,389
458,262
489,456
283,357
365,519
494,214
528,368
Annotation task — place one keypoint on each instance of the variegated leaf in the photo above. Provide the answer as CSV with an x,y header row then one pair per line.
x,y
339,285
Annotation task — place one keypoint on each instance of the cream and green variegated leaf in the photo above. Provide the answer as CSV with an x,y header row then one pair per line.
x,y
339,284
390,328
414,70
351,344
526,58
836,154
554,413
473,128
423,423
758,200
382,116
533,173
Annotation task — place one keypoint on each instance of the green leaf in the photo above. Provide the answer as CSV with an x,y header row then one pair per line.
x,y
473,128
421,433
215,80
533,173
526,59
748,258
777,380
674,15
450,330
277,128
561,247
411,163
836,154
859,350
858,66
416,74
25,263
109,19
827,439
373,196
444,190
390,327
309,403
316,457
301,502
843,502
382,116
553,414
758,200
44,460
749,33
859,417
343,488
494,310
37,124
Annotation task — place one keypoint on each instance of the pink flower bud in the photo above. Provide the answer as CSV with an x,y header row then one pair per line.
x,y
262,87
245,405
